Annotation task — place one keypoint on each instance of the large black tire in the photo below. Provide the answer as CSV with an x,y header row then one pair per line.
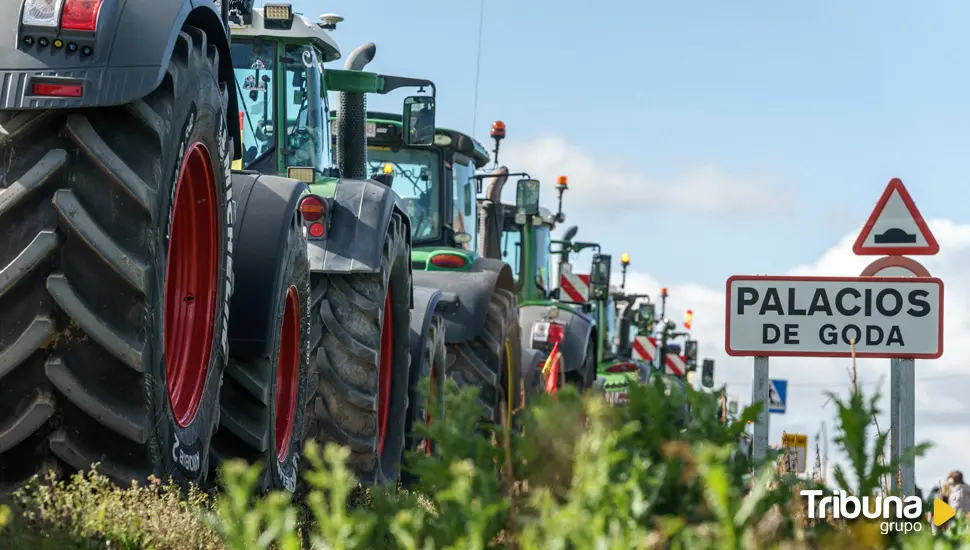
x,y
432,367
584,378
263,414
487,364
87,204
352,311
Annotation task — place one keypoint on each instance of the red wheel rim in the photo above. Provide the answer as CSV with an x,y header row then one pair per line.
x,y
384,374
191,284
427,416
287,373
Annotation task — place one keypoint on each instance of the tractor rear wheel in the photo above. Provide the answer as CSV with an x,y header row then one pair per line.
x,y
491,361
432,368
363,360
263,412
115,278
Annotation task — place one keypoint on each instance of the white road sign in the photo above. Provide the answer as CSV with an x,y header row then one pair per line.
x,y
819,316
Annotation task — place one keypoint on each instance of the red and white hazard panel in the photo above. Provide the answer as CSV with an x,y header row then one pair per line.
x,y
574,288
644,348
676,365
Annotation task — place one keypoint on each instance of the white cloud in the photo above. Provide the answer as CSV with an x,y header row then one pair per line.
x,y
942,408
611,186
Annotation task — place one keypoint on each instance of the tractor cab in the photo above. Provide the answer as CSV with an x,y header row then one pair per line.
x,y
278,59
437,182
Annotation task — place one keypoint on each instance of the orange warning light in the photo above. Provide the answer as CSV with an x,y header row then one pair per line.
x,y
498,129
663,291
688,318
625,258
562,181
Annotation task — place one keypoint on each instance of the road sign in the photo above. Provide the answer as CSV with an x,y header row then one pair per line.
x,y
575,287
895,227
798,454
644,348
778,396
676,364
887,317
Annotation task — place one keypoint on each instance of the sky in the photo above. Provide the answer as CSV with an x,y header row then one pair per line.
x,y
708,139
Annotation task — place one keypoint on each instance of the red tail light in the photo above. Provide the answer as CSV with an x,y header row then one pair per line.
x,y
316,230
312,208
449,261
81,15
556,332
621,368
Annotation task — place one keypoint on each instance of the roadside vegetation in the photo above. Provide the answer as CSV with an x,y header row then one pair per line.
x,y
575,475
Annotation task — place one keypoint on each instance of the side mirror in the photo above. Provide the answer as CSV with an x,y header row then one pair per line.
x,y
690,354
527,197
645,318
599,279
418,121
707,377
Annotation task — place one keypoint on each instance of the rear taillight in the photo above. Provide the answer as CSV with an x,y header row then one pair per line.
x,y
556,332
42,13
80,15
449,261
316,230
621,368
313,208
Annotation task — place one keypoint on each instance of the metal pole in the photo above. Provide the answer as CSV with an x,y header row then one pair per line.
x,y
907,421
894,416
759,393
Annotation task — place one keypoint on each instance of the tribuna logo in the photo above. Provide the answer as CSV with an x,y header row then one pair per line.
x,y
843,505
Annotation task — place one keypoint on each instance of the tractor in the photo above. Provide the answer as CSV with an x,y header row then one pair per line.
x,y
149,294
477,301
373,333
545,315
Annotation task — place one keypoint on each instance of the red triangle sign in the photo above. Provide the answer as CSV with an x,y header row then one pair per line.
x,y
895,227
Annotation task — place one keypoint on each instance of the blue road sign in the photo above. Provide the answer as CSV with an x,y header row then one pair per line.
x,y
777,396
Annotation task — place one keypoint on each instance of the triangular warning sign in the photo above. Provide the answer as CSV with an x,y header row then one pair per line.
x,y
895,227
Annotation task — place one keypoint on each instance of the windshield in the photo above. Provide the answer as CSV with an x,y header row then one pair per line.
x,y
416,179
253,66
306,126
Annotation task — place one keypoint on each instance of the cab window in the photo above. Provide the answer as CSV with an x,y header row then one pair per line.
x,y
306,127
544,258
464,218
415,177
253,65
512,251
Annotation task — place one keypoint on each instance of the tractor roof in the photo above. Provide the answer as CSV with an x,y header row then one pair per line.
x,y
301,30
444,137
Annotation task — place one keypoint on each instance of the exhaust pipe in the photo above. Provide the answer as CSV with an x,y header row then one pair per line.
x,y
351,120
490,215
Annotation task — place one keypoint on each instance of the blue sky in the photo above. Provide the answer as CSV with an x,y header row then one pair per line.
x,y
827,103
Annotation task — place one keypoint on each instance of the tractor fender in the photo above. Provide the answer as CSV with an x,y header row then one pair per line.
x,y
266,208
578,330
130,53
425,301
466,295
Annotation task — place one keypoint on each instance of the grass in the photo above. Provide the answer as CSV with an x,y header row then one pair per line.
x,y
579,474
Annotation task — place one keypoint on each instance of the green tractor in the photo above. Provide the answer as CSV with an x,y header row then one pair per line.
x,y
373,333
477,302
148,293
547,315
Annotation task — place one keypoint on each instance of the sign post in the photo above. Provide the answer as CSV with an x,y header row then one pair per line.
x,y
894,228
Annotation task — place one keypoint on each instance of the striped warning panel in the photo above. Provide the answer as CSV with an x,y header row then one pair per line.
x,y
575,288
644,348
676,365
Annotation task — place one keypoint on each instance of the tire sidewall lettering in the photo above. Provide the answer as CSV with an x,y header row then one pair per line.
x,y
186,450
